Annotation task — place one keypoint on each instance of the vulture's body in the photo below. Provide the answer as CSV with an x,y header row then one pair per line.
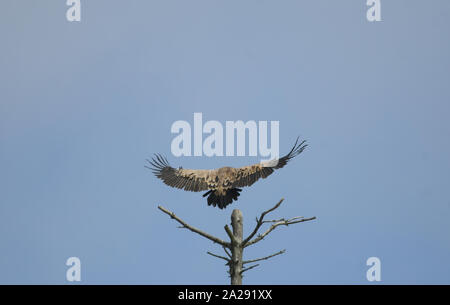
x,y
222,185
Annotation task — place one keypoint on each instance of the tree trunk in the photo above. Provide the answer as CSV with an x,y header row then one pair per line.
x,y
236,248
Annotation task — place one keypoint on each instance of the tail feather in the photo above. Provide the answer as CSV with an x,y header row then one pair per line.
x,y
221,201
207,193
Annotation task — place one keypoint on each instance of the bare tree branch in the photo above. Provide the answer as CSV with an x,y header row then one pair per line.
x,y
235,247
251,267
226,251
272,221
218,256
260,222
276,224
264,258
230,234
195,230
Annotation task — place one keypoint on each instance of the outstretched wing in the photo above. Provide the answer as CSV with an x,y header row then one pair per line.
x,y
193,180
247,175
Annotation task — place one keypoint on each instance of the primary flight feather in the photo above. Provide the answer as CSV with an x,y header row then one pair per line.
x,y
223,184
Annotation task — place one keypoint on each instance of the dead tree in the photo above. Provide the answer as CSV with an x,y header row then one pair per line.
x,y
235,247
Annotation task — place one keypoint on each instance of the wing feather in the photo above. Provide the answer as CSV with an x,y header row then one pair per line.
x,y
247,175
193,180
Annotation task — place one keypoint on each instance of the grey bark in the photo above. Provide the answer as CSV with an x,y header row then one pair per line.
x,y
236,248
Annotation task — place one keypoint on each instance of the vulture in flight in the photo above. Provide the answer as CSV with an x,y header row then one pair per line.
x,y
222,185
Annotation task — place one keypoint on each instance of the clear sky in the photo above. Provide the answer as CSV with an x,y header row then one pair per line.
x,y
82,105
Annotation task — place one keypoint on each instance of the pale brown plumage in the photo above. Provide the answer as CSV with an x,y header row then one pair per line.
x,y
223,184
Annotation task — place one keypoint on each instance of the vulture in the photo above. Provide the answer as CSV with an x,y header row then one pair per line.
x,y
223,185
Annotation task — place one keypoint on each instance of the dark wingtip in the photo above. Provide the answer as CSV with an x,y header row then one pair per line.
x,y
158,162
297,148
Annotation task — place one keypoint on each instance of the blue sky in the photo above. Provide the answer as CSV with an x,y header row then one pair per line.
x,y
82,105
